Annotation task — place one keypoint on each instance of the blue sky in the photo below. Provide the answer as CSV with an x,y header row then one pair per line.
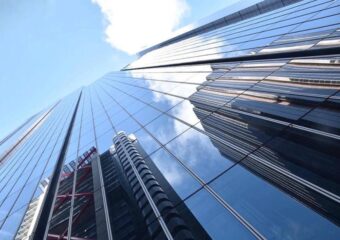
x,y
49,48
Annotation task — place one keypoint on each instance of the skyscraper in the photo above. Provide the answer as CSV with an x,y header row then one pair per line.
x,y
236,123
119,194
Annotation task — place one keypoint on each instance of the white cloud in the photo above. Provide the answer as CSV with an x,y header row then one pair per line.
x,y
133,25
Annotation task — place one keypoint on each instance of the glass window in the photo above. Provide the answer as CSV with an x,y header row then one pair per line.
x,y
200,154
185,112
134,106
164,102
306,154
128,125
103,127
146,115
10,226
165,128
215,219
179,179
105,140
118,117
148,144
273,213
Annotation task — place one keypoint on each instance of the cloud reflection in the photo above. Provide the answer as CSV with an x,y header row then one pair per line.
x,y
173,81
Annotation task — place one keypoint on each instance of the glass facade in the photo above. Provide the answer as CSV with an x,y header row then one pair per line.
x,y
242,121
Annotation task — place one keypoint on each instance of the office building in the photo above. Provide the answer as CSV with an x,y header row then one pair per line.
x,y
237,121
118,195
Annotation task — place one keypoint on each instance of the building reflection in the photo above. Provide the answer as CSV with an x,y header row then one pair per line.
x,y
284,117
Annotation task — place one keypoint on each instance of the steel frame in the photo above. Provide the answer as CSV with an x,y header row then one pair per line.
x,y
80,164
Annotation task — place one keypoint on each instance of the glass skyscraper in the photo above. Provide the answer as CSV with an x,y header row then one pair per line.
x,y
228,131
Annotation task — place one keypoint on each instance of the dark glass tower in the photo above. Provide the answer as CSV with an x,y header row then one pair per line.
x,y
235,134
116,195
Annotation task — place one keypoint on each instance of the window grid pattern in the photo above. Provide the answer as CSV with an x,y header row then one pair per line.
x,y
174,112
303,26
255,141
